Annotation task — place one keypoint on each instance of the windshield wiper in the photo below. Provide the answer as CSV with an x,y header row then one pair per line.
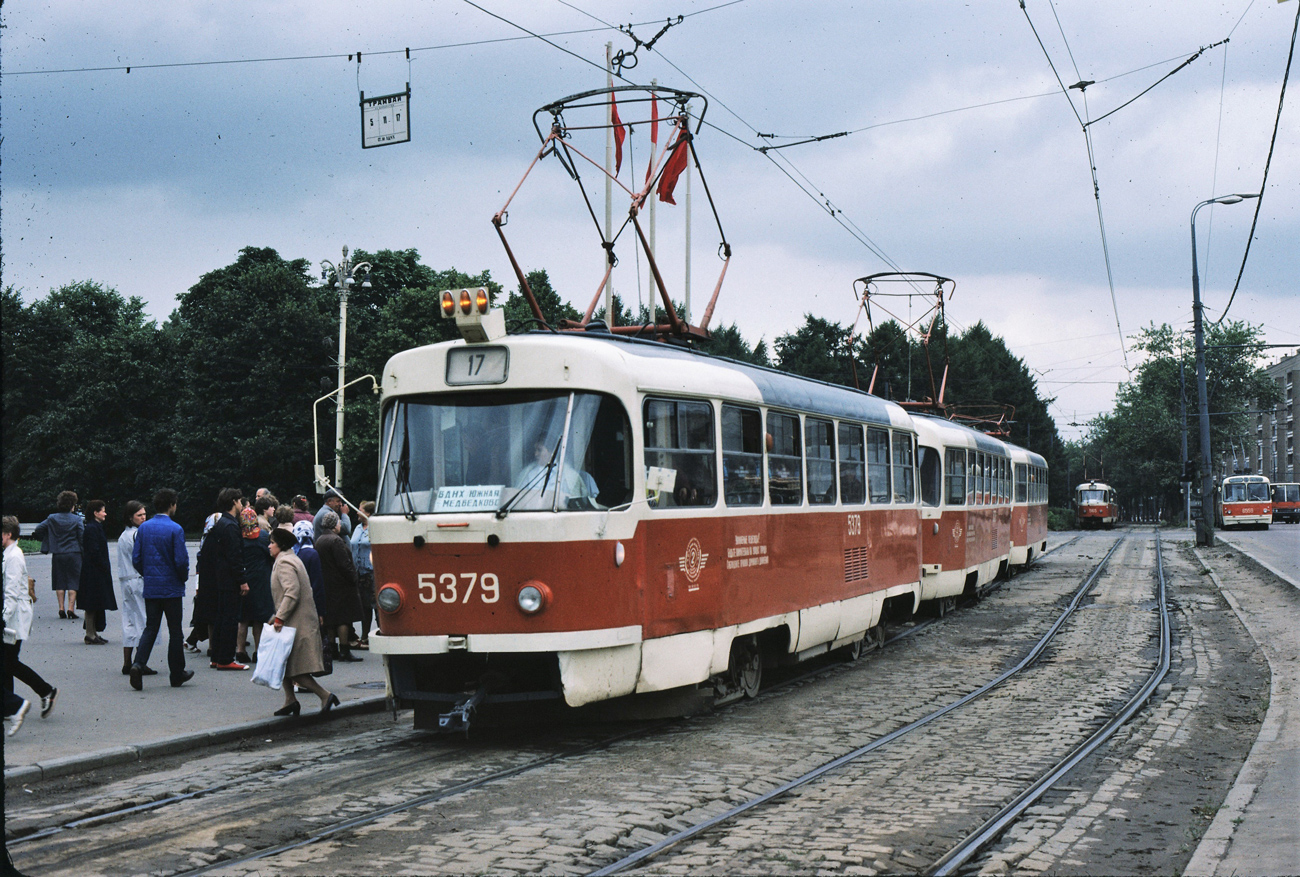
x,y
544,473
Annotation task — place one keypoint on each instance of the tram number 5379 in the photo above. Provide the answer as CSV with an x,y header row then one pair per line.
x,y
450,588
855,525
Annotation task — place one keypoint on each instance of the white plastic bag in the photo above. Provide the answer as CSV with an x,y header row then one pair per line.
x,y
273,655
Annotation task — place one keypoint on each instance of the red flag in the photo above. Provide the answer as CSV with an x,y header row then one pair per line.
x,y
654,136
674,166
619,134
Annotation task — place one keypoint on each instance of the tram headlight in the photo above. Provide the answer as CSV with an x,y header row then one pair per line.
x,y
389,598
481,300
533,597
448,303
466,303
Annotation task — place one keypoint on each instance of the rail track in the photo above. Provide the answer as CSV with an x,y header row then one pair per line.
x,y
459,770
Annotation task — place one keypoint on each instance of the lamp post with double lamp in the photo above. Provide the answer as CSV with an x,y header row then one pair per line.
x,y
1205,531
344,276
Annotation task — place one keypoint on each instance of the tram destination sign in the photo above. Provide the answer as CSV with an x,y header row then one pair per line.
x,y
386,119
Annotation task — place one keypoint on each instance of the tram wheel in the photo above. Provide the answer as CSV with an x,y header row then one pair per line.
x,y
853,650
746,667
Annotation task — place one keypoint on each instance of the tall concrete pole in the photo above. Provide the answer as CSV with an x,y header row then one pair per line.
x,y
609,184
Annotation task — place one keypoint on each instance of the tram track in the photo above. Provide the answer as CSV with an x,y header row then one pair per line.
x,y
646,853
361,784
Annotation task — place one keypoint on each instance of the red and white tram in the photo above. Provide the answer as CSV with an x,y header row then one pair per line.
x,y
585,516
1245,501
1028,506
965,511
1094,506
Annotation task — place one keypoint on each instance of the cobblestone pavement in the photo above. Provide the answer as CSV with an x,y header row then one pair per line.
x,y
895,811
577,815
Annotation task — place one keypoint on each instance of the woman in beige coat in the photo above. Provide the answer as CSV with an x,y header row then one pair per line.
x,y
294,606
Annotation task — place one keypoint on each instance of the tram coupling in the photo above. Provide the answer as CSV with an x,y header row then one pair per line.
x,y
457,719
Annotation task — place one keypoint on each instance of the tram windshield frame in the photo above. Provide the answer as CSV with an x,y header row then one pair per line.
x,y
1092,496
1245,491
504,452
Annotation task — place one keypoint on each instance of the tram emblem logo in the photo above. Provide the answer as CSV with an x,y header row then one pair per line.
x,y
956,534
693,561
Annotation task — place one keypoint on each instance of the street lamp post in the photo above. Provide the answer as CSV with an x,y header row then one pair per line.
x,y
345,275
1204,532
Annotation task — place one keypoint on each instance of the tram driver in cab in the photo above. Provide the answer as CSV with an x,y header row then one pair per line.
x,y
577,487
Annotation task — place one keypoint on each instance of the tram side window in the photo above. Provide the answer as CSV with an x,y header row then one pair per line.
x,y
819,453
742,455
784,460
931,465
1005,470
904,471
679,436
853,465
972,478
956,478
1022,483
878,464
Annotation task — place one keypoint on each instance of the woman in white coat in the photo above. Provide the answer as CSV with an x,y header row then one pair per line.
x,y
132,584
18,624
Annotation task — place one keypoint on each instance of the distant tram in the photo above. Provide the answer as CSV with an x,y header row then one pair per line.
x,y
1094,506
1286,503
1244,501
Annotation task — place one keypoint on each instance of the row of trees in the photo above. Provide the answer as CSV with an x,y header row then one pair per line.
x,y
104,401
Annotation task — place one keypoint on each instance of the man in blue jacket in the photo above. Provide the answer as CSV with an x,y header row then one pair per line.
x,y
161,558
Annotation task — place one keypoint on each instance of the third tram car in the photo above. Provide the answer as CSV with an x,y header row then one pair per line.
x,y
1094,505
1244,501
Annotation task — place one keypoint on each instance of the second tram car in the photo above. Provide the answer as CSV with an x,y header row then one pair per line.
x,y
1286,502
579,517
966,491
1244,501
1094,506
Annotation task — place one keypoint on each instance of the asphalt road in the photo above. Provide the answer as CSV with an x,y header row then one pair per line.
x,y
1278,547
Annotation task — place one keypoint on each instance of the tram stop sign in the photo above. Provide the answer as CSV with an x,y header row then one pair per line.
x,y
386,119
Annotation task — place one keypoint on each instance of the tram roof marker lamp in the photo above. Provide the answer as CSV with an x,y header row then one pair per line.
x,y
598,111
476,319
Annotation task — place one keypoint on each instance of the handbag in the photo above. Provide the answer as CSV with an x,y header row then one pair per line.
x,y
273,656
327,656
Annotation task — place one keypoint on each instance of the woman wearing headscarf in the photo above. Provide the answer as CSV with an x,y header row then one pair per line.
x,y
60,535
132,583
95,591
342,602
257,606
294,607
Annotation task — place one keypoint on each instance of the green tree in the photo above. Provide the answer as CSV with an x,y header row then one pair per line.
x,y
83,369
255,340
727,341
519,315
1140,441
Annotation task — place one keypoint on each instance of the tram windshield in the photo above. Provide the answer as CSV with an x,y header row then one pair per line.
x,y
504,452
1286,493
1242,491
1092,496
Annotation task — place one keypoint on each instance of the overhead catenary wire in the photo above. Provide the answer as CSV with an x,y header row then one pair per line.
x,y
1263,185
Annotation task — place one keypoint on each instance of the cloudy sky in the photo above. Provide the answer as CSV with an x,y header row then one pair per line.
x,y
966,159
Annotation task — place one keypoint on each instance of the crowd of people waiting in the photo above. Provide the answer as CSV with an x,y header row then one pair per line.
x,y
259,563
